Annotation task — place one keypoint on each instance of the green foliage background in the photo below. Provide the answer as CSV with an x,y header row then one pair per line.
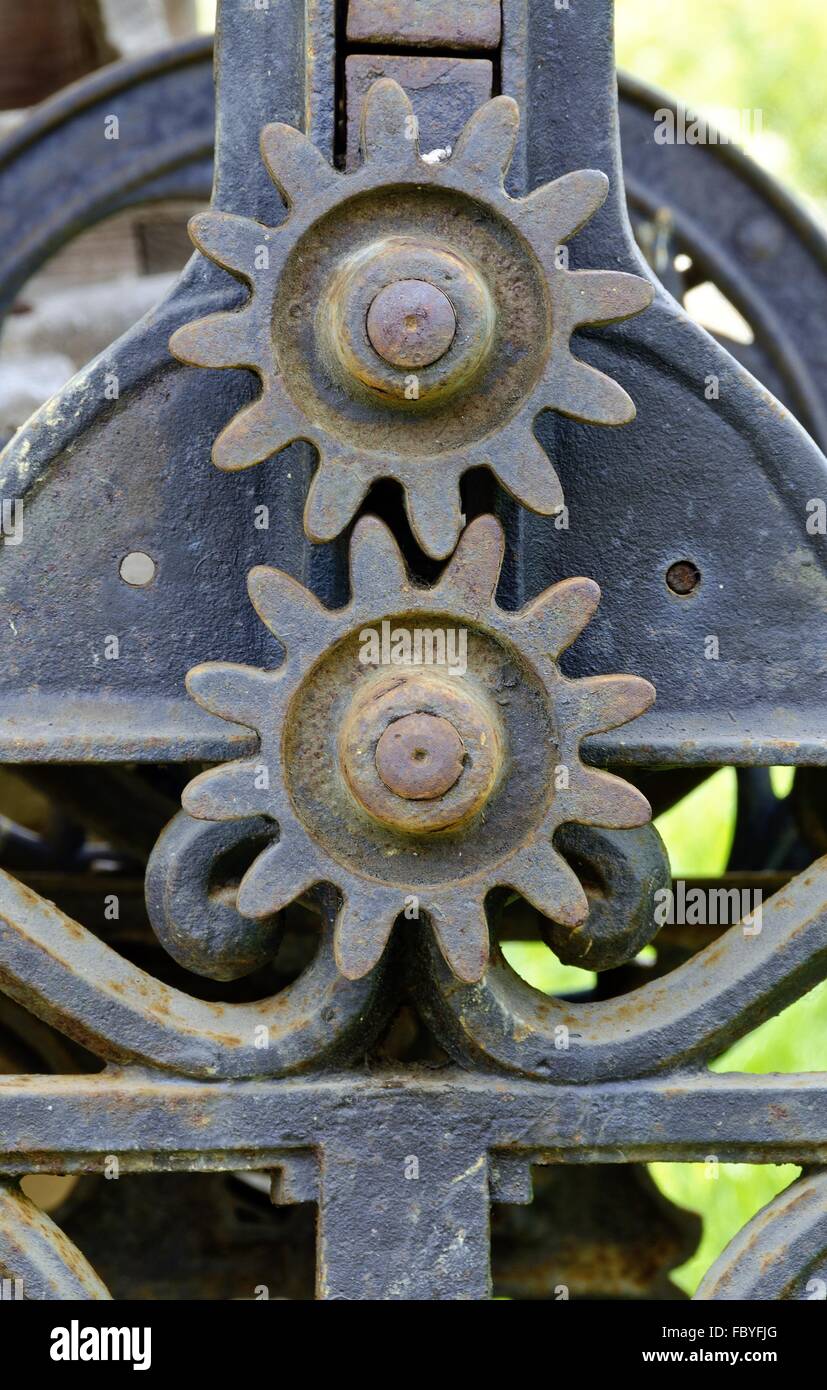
x,y
743,54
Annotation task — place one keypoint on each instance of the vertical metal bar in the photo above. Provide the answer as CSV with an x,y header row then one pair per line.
x,y
569,108
406,1218
250,92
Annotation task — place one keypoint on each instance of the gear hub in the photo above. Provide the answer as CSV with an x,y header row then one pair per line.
x,y
421,751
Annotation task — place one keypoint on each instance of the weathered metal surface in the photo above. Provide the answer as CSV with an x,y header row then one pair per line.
x,y
366,278
322,715
627,494
745,234
755,228
414,790
780,1253
83,987
425,23
198,924
411,323
420,756
444,94
621,871
149,1123
653,530
80,985
164,1123
58,174
756,225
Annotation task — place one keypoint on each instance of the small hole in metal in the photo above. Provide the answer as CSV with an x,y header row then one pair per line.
x,y
683,577
137,569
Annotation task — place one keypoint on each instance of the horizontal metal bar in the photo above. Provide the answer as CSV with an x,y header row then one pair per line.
x,y
450,24
71,1124
79,728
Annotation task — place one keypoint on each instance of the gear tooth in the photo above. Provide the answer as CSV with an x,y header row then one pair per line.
x,y
280,875
298,169
601,799
557,617
555,211
292,613
389,130
525,469
232,242
460,925
228,792
231,691
583,393
486,146
335,496
220,340
256,433
377,569
598,703
473,572
604,296
362,930
435,521
546,881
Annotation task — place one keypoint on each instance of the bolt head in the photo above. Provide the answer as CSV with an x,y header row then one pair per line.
x,y
411,324
420,757
419,751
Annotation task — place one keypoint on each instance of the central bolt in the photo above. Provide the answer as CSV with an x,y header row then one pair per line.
x,y
411,323
419,751
420,757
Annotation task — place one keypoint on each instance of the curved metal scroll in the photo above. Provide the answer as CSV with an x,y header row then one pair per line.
x,y
689,1015
39,1260
781,1253
61,972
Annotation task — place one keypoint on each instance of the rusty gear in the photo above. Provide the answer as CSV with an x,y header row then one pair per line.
x,y
485,770
410,320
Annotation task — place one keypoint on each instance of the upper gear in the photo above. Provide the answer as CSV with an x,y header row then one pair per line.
x,y
411,785
410,319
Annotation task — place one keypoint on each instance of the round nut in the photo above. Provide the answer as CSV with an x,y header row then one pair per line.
x,y
394,717
420,756
403,305
411,323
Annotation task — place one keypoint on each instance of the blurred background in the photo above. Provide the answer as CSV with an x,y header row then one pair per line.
x,y
731,56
